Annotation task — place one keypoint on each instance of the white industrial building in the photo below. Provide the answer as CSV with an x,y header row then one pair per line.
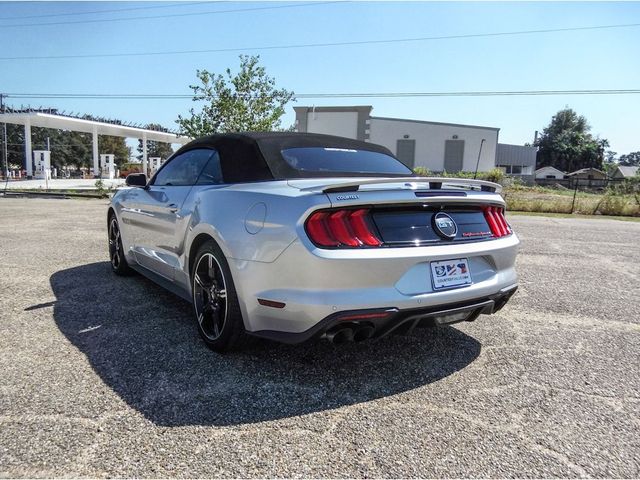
x,y
517,161
434,145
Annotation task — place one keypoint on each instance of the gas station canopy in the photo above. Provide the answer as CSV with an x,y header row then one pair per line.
x,y
49,120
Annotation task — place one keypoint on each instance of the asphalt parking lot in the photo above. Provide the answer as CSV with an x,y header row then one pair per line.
x,y
104,376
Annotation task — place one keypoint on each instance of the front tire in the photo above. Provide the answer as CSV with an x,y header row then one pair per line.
x,y
119,264
215,302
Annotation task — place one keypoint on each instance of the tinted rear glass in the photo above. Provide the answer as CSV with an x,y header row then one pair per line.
x,y
343,160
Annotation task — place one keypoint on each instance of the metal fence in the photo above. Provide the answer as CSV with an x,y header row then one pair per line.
x,y
580,183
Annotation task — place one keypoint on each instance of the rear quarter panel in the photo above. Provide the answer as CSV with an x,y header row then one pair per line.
x,y
253,222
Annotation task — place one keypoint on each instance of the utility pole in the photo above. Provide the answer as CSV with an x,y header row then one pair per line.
x,y
5,156
475,174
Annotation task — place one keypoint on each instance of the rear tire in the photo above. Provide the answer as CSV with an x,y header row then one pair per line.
x,y
215,302
119,264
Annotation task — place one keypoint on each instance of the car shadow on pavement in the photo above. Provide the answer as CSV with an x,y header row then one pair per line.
x,y
144,344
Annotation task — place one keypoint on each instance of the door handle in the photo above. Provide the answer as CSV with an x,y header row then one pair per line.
x,y
173,208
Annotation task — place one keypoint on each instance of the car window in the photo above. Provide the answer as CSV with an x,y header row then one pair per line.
x,y
183,169
212,172
342,160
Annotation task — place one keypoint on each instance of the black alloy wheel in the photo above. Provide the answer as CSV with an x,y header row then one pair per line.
x,y
119,263
215,302
210,296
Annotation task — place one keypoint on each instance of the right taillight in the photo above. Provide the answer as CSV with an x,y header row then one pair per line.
x,y
496,221
342,228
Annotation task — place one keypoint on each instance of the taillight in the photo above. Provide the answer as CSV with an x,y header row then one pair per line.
x,y
361,225
342,228
318,231
338,226
496,220
505,226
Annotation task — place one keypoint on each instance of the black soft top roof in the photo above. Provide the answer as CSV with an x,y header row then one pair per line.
x,y
256,156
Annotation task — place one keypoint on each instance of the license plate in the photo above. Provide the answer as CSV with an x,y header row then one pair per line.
x,y
450,273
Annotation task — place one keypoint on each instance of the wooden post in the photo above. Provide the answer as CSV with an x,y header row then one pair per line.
x,y
574,194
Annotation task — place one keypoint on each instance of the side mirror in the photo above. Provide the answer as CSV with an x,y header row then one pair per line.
x,y
136,180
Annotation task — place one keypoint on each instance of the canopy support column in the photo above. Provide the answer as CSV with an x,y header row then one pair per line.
x,y
28,155
144,154
96,156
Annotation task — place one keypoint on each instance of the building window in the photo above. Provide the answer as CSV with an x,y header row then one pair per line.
x,y
516,169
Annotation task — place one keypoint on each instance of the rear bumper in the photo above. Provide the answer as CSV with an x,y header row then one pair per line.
x,y
314,284
397,320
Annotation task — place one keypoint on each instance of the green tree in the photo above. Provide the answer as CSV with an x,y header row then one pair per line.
x,y
246,101
610,162
15,146
610,156
79,150
155,149
116,146
630,159
567,144
67,148
55,140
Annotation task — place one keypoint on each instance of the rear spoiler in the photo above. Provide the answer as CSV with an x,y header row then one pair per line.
x,y
433,183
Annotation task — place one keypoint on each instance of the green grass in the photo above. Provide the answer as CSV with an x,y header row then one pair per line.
x,y
540,199
84,193
568,215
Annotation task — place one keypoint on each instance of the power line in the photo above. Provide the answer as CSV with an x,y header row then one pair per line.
x,y
135,96
472,93
328,44
180,4
190,14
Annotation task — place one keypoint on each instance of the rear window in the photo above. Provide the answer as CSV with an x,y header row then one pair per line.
x,y
343,160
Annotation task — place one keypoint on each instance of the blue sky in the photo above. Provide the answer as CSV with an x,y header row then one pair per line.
x,y
595,59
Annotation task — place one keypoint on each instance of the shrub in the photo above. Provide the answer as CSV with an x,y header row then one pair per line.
x,y
627,186
557,205
617,205
101,188
495,175
422,171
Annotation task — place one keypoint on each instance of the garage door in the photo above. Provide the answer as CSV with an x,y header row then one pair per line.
x,y
406,152
453,155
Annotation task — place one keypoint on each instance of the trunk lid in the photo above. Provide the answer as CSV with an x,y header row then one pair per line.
x,y
406,211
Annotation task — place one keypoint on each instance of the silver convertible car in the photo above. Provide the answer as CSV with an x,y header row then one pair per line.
x,y
294,236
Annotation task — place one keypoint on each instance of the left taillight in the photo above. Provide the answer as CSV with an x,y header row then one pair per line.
x,y
342,229
497,221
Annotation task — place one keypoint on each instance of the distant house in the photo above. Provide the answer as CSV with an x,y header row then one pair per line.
x,y
625,172
550,173
517,161
588,177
